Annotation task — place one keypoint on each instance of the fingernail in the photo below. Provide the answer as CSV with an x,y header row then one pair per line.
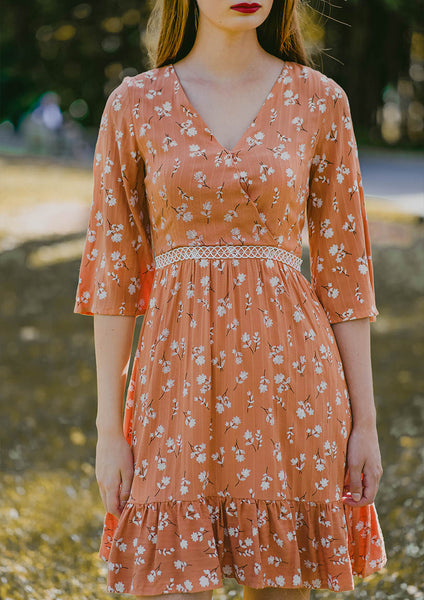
x,y
356,496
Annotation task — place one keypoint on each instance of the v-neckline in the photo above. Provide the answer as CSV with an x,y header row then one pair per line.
x,y
206,126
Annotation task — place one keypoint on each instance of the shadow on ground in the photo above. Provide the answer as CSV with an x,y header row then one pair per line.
x,y
51,510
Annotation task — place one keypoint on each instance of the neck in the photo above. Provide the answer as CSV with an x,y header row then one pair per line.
x,y
225,55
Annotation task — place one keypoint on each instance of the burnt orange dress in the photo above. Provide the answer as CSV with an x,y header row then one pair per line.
x,y
238,412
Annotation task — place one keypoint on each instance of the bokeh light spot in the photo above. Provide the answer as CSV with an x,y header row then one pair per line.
x,y
44,33
82,11
111,43
65,33
131,17
78,109
113,70
112,25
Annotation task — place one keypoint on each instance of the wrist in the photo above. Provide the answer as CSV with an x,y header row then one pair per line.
x,y
364,414
109,430
367,424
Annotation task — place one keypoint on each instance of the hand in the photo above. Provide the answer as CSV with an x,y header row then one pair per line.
x,y
364,468
114,471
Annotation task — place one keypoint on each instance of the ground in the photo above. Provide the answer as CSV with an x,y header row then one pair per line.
x,y
51,512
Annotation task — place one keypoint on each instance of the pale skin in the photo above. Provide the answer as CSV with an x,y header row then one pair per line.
x,y
225,65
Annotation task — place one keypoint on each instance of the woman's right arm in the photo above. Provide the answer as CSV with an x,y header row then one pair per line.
x,y
115,280
113,336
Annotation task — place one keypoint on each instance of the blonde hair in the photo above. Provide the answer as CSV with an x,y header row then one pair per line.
x,y
172,26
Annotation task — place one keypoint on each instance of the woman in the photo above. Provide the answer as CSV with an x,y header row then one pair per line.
x,y
249,446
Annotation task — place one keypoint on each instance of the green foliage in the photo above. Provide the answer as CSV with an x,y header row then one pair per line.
x,y
78,50
412,11
83,50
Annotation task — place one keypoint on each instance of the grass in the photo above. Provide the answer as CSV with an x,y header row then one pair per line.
x,y
51,512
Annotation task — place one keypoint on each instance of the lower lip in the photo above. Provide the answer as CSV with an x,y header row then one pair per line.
x,y
246,9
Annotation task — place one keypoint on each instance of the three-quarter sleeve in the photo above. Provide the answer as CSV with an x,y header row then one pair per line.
x,y
117,265
339,243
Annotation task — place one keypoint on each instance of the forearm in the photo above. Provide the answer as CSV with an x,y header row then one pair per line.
x,y
353,340
113,340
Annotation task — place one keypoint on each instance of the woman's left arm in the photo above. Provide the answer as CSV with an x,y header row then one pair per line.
x,y
364,467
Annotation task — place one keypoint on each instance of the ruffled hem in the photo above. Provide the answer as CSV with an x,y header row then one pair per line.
x,y
191,545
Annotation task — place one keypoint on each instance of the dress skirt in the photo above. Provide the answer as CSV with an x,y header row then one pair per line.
x,y
237,412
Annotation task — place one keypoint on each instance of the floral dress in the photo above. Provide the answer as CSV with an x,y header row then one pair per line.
x,y
237,411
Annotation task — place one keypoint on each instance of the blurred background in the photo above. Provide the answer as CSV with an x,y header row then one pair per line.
x,y
59,61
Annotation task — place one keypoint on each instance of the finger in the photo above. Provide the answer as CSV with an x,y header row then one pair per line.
x,y
124,494
355,485
103,496
101,491
346,481
371,479
112,500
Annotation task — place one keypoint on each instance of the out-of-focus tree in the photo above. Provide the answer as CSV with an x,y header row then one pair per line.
x,y
380,44
81,51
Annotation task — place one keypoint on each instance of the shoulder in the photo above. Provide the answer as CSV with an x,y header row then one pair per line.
x,y
316,81
323,95
134,91
146,84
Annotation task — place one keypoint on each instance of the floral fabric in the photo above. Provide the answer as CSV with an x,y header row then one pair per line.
x,y
238,412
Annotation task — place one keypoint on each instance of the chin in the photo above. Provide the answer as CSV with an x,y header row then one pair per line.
x,y
240,23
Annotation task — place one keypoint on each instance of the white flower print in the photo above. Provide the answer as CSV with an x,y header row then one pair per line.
x,y
237,407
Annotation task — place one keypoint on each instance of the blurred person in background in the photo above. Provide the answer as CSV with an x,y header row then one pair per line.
x,y
42,128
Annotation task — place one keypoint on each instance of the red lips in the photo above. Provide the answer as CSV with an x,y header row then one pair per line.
x,y
246,7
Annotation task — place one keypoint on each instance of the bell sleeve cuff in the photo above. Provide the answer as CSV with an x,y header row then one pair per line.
x,y
339,242
117,265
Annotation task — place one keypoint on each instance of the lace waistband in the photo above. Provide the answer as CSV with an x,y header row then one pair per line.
x,y
200,252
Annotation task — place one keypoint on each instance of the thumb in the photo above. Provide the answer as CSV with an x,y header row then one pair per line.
x,y
355,485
